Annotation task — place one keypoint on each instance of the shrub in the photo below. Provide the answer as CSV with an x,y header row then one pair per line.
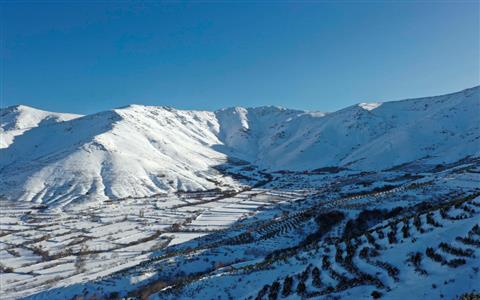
x,y
274,290
455,250
301,288
405,229
366,219
470,296
376,294
304,275
38,250
476,229
456,262
325,262
416,260
370,238
364,252
317,282
431,220
339,255
434,256
352,245
391,270
417,222
468,209
367,252
444,213
392,237
325,222
468,241
380,233
287,286
262,292
4,269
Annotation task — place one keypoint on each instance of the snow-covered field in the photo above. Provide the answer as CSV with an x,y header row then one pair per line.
x,y
378,200
180,245
41,248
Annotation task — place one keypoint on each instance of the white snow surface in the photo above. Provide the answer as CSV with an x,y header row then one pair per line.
x,y
15,120
370,106
140,151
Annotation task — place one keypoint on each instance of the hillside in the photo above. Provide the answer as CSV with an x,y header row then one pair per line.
x,y
317,235
373,201
140,151
15,120
364,136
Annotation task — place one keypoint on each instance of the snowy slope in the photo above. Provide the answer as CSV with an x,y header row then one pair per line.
x,y
15,120
130,152
345,241
140,151
362,136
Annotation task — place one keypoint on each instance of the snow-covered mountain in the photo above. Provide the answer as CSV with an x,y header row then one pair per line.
x,y
134,151
15,120
139,151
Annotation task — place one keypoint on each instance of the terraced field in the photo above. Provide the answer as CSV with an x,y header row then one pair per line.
x,y
40,247
376,259
299,236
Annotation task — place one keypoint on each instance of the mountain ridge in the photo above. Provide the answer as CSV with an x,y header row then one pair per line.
x,y
137,150
16,119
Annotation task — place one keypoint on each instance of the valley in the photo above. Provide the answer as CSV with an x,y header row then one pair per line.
x,y
179,244
372,201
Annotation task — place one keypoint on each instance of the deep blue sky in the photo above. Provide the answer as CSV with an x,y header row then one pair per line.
x,y
86,57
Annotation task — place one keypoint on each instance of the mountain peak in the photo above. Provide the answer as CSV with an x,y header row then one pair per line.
x,y
369,106
18,108
17,119
153,149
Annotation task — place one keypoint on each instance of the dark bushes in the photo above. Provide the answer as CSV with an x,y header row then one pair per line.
x,y
262,292
438,258
301,288
405,229
392,237
431,220
325,262
416,260
455,250
317,282
470,296
274,290
366,219
434,256
468,241
287,286
456,262
417,222
325,223
367,252
475,229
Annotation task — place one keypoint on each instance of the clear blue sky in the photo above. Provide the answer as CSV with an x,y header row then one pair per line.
x,y
87,57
